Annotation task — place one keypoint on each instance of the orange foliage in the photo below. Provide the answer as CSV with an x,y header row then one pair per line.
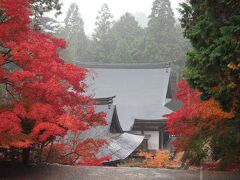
x,y
160,159
204,131
211,112
19,140
194,115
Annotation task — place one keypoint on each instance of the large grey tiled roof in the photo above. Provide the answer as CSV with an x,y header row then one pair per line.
x,y
140,90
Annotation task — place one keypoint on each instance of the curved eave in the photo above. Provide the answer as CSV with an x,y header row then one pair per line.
x,y
116,126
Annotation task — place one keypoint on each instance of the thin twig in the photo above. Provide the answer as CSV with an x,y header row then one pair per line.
x,y
10,92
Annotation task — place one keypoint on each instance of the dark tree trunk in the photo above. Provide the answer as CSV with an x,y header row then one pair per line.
x,y
26,156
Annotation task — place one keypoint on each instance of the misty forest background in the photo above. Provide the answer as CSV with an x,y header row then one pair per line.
x,y
130,39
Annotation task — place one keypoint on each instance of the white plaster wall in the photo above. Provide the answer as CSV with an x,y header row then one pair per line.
x,y
153,142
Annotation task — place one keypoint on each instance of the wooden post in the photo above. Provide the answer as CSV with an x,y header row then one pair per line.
x,y
161,139
142,132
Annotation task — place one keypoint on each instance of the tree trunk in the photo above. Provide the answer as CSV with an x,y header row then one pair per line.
x,y
26,156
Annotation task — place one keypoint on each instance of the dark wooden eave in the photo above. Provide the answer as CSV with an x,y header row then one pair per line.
x,y
149,125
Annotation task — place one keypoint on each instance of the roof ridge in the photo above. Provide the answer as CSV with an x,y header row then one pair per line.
x,y
159,65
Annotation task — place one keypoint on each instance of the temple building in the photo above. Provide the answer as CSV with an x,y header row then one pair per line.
x,y
139,96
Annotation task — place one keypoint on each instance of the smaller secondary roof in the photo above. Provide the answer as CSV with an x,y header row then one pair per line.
x,y
120,145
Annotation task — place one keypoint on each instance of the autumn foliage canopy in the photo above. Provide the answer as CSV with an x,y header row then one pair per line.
x,y
203,130
42,99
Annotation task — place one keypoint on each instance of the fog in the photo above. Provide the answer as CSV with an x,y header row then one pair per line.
x,y
119,38
89,9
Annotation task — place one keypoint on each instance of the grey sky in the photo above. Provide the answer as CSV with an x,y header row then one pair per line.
x,y
89,8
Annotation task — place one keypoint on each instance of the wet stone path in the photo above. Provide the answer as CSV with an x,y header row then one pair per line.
x,y
58,172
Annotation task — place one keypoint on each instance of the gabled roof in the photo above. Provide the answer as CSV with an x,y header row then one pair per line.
x,y
140,89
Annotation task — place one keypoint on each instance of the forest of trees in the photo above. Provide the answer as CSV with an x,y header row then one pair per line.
x,y
123,40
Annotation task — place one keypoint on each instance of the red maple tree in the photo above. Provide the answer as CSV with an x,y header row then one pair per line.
x,y
41,97
194,114
196,123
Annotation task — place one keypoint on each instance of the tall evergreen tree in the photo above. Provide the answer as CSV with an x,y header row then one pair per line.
x,y
161,41
74,34
123,34
213,64
213,67
161,13
104,22
102,44
126,28
138,48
